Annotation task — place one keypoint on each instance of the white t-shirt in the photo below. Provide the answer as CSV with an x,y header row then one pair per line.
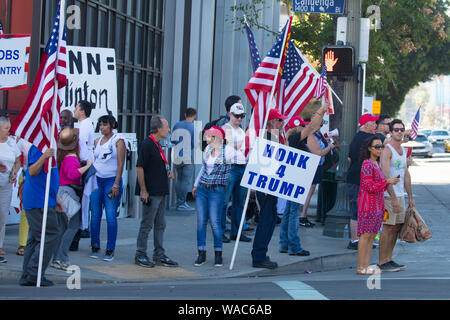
x,y
236,139
8,154
86,140
105,155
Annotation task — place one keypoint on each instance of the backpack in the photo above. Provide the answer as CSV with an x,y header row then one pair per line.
x,y
208,126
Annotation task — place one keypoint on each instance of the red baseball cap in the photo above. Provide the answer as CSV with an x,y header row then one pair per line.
x,y
216,131
295,122
275,114
367,118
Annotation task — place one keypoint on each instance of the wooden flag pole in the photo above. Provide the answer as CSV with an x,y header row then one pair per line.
x,y
271,105
52,133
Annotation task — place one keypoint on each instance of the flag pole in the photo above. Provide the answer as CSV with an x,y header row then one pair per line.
x,y
238,237
52,134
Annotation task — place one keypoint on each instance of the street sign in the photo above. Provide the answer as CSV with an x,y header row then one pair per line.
x,y
339,60
376,107
319,6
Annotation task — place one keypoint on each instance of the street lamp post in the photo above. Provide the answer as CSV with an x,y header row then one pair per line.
x,y
339,216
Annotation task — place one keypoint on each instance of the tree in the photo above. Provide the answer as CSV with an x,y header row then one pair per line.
x,y
412,45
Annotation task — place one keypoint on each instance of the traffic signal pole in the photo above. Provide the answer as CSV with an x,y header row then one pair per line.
x,y
339,216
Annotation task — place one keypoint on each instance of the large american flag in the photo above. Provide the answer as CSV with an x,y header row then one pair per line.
x,y
415,125
259,88
254,52
298,83
321,86
34,121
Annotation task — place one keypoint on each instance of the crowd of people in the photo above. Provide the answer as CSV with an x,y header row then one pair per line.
x,y
86,179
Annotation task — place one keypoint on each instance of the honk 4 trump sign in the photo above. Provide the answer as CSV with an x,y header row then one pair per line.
x,y
280,170
14,56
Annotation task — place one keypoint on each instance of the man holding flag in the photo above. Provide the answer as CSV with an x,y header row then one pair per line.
x,y
37,123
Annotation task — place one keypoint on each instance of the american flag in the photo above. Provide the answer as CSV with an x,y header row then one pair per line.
x,y
298,83
34,121
259,88
254,52
1,28
321,86
415,125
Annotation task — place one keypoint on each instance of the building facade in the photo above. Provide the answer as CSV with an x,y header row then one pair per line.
x,y
170,54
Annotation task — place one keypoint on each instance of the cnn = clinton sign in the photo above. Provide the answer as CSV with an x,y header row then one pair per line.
x,y
92,77
14,56
280,170
319,6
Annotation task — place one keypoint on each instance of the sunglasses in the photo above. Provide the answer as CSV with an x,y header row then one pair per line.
x,y
239,116
399,130
279,120
378,146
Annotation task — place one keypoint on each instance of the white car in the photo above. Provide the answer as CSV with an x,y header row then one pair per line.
x,y
438,136
420,147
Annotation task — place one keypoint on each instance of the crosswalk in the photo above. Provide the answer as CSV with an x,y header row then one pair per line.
x,y
300,291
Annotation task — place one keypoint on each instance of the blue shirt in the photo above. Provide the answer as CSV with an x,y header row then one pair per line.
x,y
34,187
189,126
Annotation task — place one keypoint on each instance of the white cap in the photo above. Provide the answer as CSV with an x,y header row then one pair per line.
x,y
237,108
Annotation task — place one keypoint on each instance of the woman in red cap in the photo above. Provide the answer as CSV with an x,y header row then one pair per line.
x,y
209,192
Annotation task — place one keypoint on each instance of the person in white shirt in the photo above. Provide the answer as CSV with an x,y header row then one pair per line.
x,y
235,138
86,139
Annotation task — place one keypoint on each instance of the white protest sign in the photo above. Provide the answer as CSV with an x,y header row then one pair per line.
x,y
280,170
92,77
14,56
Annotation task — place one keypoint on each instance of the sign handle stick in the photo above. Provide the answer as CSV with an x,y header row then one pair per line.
x,y
238,237
263,131
52,132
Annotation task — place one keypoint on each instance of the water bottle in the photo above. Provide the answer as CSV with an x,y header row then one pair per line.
x,y
346,231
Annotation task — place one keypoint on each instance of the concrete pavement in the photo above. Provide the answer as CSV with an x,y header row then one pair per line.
x,y
180,244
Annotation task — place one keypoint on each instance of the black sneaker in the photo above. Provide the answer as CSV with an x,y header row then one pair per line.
x,y
304,222
143,261
201,258
3,260
243,238
165,261
396,265
109,255
218,261
225,239
94,252
85,234
302,253
352,245
266,264
388,267
32,283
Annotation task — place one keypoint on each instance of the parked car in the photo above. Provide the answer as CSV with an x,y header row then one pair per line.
x,y
426,132
447,145
421,146
438,136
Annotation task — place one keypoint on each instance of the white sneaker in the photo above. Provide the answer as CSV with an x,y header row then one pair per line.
x,y
185,207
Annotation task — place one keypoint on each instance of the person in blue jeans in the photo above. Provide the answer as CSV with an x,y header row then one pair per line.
x,y
109,159
209,190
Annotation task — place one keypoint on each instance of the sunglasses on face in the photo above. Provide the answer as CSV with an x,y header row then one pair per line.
x,y
280,120
378,146
398,129
239,116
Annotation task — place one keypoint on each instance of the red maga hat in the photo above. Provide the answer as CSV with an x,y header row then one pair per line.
x,y
216,132
295,122
275,114
367,118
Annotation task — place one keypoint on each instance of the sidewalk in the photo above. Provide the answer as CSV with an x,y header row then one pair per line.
x,y
180,244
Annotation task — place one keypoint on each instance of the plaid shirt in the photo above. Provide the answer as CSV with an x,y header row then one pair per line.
x,y
221,172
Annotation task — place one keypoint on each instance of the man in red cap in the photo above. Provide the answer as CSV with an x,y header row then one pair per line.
x,y
367,128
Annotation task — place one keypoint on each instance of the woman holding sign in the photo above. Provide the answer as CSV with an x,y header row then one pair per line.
x,y
209,192
370,202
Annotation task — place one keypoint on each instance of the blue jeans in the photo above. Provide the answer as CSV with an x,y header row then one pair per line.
x,y
289,239
99,199
266,225
238,195
209,204
185,180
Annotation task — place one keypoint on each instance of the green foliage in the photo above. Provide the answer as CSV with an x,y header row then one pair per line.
x,y
412,46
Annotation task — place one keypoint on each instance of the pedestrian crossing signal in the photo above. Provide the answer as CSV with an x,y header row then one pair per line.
x,y
339,60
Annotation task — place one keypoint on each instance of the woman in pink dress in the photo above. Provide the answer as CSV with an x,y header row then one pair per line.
x,y
370,202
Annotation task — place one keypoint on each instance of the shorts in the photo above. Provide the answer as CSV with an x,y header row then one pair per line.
x,y
352,194
318,176
394,217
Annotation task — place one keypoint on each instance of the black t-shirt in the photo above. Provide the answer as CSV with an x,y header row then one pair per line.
x,y
155,172
354,172
294,142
